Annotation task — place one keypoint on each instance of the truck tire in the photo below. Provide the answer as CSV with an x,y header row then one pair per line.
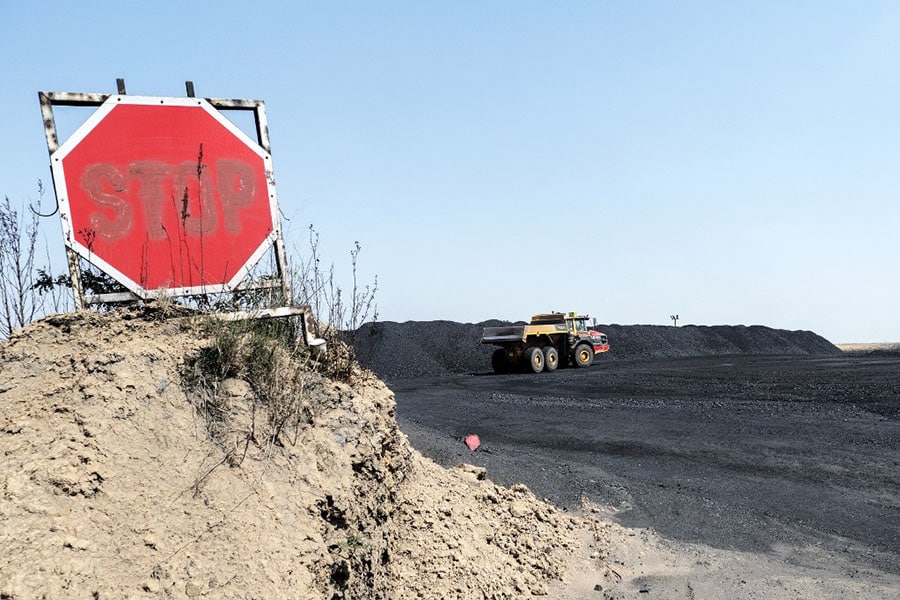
x,y
583,356
534,360
551,358
499,361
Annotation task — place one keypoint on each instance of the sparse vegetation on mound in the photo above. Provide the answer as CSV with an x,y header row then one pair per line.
x,y
260,359
157,458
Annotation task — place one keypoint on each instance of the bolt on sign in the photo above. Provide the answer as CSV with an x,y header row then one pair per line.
x,y
164,193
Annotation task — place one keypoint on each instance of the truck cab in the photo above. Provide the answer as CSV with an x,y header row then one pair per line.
x,y
585,330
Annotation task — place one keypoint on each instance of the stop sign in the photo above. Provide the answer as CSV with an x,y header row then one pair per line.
x,y
166,194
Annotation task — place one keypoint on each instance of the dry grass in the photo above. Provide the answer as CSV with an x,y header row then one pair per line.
x,y
267,355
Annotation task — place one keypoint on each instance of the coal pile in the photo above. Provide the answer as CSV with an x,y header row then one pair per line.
x,y
423,348
435,348
658,341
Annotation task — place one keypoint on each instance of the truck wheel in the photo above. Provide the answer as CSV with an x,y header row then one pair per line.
x,y
499,361
551,358
534,360
584,355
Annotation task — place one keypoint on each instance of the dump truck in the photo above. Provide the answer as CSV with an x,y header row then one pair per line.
x,y
550,341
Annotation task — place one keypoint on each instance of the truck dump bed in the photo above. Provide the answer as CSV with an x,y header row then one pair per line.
x,y
507,333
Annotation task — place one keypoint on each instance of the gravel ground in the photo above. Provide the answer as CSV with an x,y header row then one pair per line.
x,y
796,457
748,461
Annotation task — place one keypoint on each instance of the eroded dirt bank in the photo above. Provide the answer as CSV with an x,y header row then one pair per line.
x,y
119,481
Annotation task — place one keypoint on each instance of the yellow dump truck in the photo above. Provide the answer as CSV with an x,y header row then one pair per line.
x,y
550,341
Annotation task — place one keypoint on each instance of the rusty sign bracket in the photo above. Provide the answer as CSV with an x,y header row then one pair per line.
x,y
49,100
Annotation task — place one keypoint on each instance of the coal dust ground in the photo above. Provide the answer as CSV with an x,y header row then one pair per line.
x,y
783,455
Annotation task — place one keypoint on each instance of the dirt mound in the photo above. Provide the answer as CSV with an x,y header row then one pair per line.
x,y
877,349
120,480
435,348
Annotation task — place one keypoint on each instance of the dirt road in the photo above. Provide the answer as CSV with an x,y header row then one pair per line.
x,y
793,457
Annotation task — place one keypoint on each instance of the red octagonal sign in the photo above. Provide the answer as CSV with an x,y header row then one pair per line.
x,y
166,194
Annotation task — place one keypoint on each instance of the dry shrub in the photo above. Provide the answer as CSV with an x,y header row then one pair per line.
x,y
19,302
340,312
267,355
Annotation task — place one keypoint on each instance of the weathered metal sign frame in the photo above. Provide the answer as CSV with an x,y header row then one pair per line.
x,y
212,106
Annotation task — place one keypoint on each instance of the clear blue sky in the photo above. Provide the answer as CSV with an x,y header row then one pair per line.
x,y
732,162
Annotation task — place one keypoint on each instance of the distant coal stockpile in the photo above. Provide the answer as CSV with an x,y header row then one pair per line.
x,y
434,348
